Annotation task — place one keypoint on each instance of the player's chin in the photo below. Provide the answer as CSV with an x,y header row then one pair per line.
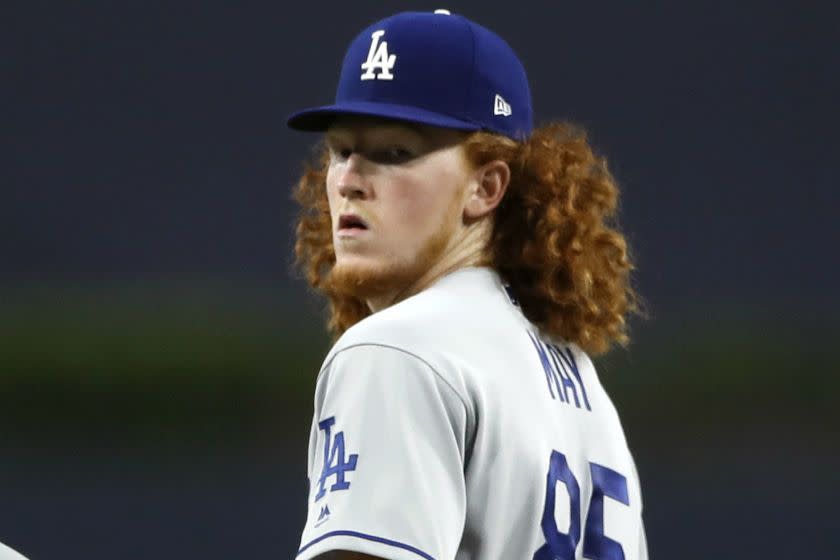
x,y
356,263
359,276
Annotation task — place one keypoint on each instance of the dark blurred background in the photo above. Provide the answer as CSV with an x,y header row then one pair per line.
x,y
157,353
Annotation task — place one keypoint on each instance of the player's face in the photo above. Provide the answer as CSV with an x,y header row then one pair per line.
x,y
396,199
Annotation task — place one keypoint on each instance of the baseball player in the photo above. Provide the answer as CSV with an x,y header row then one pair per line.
x,y
471,265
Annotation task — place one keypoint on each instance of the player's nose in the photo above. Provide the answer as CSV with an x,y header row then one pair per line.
x,y
352,181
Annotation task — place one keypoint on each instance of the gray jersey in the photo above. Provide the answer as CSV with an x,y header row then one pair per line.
x,y
446,427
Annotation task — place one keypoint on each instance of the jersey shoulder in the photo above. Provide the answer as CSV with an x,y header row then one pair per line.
x,y
435,321
444,327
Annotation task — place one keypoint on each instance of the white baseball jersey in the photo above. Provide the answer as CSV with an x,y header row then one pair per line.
x,y
447,428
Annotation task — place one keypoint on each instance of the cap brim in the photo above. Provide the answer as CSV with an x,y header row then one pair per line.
x,y
319,119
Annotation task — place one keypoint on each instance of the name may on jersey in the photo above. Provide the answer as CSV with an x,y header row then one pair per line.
x,y
561,373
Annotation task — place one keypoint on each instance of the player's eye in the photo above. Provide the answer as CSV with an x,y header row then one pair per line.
x,y
392,155
340,152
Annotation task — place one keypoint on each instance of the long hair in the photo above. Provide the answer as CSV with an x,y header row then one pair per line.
x,y
554,238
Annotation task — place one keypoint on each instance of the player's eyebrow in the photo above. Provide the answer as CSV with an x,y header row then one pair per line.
x,y
415,127
376,133
331,137
365,132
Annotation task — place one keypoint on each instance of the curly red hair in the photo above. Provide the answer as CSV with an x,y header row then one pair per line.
x,y
554,238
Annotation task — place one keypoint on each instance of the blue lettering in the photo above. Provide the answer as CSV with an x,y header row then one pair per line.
x,y
569,359
564,377
559,367
546,364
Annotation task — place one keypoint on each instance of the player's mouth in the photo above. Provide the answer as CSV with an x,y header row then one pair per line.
x,y
351,224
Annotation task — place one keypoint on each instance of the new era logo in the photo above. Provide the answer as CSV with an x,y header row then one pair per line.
x,y
501,107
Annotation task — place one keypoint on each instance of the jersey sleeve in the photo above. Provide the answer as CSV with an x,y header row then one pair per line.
x,y
386,459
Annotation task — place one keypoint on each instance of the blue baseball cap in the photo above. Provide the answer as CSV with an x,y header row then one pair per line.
x,y
438,69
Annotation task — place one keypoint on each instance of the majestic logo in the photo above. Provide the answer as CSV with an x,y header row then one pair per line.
x,y
378,59
335,463
501,107
324,516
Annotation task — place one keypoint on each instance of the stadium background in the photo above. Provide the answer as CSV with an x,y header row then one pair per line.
x,y
157,356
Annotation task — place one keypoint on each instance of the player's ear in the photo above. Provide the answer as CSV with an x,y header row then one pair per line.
x,y
490,184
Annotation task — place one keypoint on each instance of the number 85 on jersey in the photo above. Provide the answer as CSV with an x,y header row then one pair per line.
x,y
596,545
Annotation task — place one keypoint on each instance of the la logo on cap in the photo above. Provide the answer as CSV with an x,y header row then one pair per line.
x,y
378,59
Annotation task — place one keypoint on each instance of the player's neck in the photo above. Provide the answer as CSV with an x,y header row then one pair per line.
x,y
469,251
